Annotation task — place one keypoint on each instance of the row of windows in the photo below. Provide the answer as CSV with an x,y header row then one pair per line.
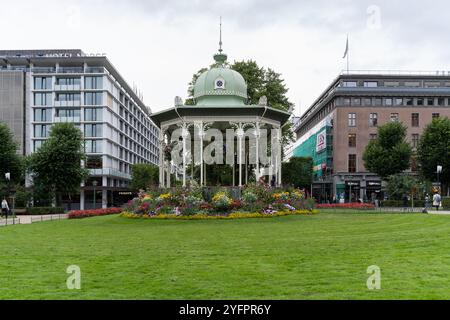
x,y
394,84
45,83
352,139
391,102
90,98
90,114
373,119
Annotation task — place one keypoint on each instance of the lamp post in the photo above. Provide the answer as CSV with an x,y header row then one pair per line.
x,y
438,171
95,183
8,178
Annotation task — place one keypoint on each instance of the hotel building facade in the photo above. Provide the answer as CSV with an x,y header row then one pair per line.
x,y
336,129
39,88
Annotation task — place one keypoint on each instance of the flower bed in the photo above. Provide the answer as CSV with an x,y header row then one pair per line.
x,y
256,200
354,206
235,215
79,214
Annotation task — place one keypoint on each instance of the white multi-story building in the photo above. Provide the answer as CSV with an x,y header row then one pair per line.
x,y
41,87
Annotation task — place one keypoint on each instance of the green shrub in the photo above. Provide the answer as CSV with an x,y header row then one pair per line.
x,y
44,211
446,203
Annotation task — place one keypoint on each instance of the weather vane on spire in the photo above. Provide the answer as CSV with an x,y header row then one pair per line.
x,y
220,41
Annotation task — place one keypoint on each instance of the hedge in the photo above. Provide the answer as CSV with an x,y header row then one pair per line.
x,y
37,211
446,203
399,203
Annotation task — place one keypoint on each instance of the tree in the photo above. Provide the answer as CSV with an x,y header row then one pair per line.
x,y
389,154
144,176
298,172
56,165
10,161
434,150
399,185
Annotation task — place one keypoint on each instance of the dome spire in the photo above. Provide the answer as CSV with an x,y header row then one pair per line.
x,y
220,41
220,57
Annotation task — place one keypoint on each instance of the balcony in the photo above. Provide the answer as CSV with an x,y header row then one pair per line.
x,y
70,70
65,87
67,119
109,172
75,103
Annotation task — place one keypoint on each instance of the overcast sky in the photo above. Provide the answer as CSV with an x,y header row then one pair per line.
x,y
158,45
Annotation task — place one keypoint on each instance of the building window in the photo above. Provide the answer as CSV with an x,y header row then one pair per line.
x,y
388,102
415,120
68,97
93,82
37,144
68,81
420,102
370,84
430,102
41,130
42,99
441,102
409,101
373,136
69,115
93,98
373,120
395,117
398,101
415,140
94,162
352,119
435,116
377,102
93,146
356,102
352,163
368,102
352,140
42,115
93,114
42,83
350,84
93,130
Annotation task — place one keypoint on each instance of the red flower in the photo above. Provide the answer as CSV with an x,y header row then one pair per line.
x,y
78,214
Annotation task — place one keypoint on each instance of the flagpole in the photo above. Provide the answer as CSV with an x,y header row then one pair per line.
x,y
348,57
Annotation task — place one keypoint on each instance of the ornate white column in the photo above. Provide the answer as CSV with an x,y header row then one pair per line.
x,y
240,135
279,161
184,135
257,135
161,158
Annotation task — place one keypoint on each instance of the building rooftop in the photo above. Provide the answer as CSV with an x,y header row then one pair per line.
x,y
45,60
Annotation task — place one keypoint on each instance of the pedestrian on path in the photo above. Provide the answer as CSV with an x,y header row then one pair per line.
x,y
437,201
5,208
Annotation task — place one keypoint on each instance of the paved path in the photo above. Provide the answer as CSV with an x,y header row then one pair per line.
x,y
31,219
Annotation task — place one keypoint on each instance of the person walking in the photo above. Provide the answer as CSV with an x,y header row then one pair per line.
x,y
437,201
5,208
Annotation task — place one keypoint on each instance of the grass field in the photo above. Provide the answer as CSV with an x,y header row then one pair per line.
x,y
300,257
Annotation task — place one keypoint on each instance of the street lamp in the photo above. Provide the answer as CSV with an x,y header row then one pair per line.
x,y
8,178
95,183
438,171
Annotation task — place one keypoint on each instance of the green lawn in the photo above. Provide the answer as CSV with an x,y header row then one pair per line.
x,y
299,257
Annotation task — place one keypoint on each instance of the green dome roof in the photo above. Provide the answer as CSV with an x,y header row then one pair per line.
x,y
220,85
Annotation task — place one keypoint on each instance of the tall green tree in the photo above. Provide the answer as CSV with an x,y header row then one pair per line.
x,y
144,176
389,154
10,161
57,163
434,150
298,172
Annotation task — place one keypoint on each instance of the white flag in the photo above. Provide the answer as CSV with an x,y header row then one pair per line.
x,y
346,50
